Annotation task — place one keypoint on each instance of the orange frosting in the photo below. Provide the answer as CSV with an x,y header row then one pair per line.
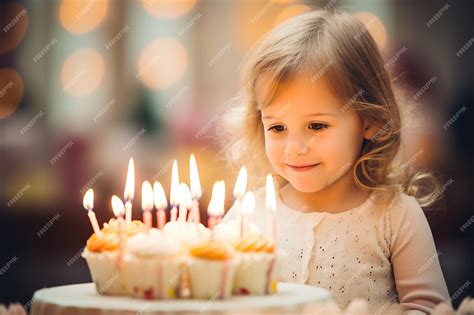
x,y
109,239
133,228
255,243
106,242
211,250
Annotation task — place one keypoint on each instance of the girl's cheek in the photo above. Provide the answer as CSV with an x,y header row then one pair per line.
x,y
273,148
335,150
341,149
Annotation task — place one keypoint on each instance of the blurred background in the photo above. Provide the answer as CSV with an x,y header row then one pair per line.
x,y
87,84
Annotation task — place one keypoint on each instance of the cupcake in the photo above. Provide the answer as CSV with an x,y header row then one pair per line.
x,y
154,264
102,256
211,270
187,233
257,273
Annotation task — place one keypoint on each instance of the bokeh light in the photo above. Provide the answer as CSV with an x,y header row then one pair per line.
x,y
375,27
82,72
82,16
11,91
251,21
167,9
14,23
162,63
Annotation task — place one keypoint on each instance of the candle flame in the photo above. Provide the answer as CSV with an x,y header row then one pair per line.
x,y
174,190
117,206
248,203
196,191
88,201
241,183
270,194
130,182
216,205
185,199
147,196
159,196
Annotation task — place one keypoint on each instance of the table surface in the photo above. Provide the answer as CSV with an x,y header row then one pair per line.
x,y
85,296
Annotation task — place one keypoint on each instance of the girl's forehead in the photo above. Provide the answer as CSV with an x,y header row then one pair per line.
x,y
302,95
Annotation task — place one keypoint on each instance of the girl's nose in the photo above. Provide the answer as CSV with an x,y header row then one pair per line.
x,y
297,147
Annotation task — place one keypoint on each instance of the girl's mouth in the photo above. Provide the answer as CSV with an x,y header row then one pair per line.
x,y
302,168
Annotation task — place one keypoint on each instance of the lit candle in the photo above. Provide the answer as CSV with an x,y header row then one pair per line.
x,y
119,210
147,204
248,206
215,209
185,201
129,191
174,191
239,191
160,204
196,191
88,203
270,204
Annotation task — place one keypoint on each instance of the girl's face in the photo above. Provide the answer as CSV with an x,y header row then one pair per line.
x,y
311,138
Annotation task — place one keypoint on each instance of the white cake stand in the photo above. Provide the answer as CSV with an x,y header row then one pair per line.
x,y
84,300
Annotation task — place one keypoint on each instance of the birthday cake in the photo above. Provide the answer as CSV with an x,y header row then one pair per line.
x,y
181,258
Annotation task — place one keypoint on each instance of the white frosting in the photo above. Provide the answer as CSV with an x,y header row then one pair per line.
x,y
229,232
152,243
187,233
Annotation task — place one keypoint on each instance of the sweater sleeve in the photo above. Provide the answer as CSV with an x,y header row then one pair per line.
x,y
418,276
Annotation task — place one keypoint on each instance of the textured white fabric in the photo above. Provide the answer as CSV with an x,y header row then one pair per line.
x,y
383,253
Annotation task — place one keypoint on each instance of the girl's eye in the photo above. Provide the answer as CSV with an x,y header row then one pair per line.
x,y
318,126
276,128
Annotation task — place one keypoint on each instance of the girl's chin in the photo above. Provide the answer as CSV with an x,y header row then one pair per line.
x,y
306,186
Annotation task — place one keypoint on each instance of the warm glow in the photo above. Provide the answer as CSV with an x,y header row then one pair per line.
x,y
168,9
159,196
270,201
259,17
174,189
241,183
216,205
185,196
117,206
88,201
11,91
290,12
196,191
82,16
248,203
375,27
162,63
129,192
82,72
14,24
147,196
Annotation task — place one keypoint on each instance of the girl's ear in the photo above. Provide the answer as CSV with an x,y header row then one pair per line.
x,y
369,130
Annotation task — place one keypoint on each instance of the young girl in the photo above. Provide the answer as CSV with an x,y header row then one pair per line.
x,y
320,113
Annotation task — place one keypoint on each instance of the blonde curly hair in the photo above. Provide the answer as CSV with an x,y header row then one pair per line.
x,y
336,45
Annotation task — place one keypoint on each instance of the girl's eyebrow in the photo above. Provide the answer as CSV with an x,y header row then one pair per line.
x,y
313,114
268,117
322,114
